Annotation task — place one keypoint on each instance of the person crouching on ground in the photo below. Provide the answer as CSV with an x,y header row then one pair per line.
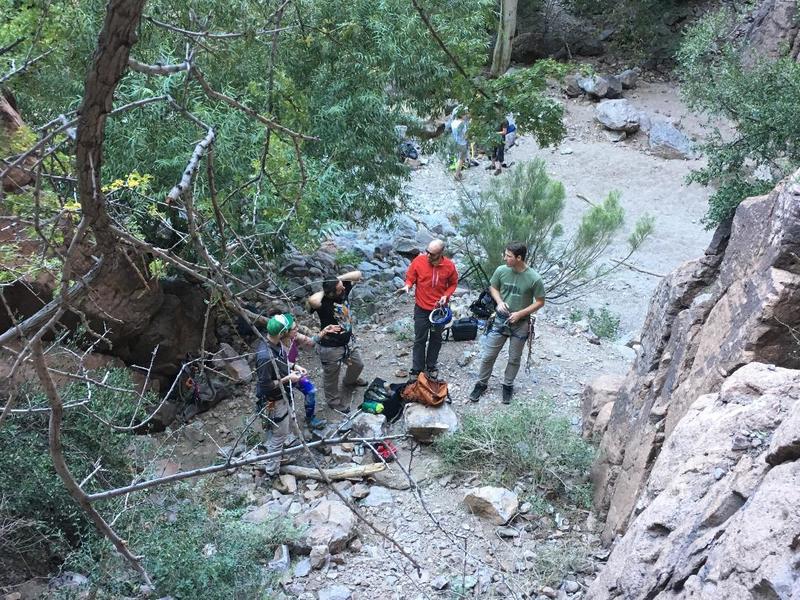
x,y
273,387
435,278
338,347
518,291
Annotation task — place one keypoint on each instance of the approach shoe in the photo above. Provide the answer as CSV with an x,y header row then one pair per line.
x,y
316,423
477,391
508,391
361,382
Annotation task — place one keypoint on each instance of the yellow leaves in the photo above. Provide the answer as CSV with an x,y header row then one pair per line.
x,y
132,181
72,206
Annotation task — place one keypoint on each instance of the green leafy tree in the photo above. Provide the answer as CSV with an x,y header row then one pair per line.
x,y
759,100
527,207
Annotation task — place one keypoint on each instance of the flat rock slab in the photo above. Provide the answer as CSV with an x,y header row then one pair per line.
x,y
329,524
425,423
377,496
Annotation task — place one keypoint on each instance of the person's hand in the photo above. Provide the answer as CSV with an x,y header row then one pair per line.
x,y
442,301
330,329
502,307
294,377
302,371
404,290
514,317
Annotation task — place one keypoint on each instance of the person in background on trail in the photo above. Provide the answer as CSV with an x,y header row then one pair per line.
x,y
435,277
498,153
511,131
518,291
458,129
305,385
275,378
337,347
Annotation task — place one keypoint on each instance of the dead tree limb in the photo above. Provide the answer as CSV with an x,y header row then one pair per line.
x,y
158,69
191,168
335,474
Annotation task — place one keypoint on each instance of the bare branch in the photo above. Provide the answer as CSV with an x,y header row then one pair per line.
x,y
158,69
24,67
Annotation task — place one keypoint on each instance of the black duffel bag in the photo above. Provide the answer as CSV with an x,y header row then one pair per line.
x,y
463,329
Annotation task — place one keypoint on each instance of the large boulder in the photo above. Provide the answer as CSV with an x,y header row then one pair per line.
x,y
597,401
736,305
667,141
329,523
425,423
716,520
367,425
772,30
617,115
495,504
594,85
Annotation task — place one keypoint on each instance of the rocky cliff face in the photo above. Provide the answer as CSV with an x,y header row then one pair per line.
x,y
699,465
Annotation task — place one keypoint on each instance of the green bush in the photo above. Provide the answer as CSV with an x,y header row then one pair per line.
x,y
527,207
189,551
604,323
760,100
525,440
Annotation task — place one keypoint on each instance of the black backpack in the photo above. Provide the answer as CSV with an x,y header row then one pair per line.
x,y
484,306
387,394
463,330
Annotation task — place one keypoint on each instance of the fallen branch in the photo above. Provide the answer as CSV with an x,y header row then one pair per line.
x,y
335,474
150,483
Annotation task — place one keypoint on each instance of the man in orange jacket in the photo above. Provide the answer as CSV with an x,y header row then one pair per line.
x,y
435,277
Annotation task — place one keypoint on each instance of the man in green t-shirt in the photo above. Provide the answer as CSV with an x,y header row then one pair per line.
x,y
518,291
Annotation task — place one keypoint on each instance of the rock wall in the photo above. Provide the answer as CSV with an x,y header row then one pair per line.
x,y
771,30
720,516
736,305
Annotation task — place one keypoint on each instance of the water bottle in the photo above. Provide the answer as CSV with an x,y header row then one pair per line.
x,y
372,407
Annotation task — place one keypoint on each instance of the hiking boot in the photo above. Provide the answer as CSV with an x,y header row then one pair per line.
x,y
316,423
361,382
413,376
477,391
499,171
433,373
508,391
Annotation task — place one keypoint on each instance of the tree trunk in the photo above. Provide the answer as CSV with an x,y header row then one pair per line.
x,y
11,127
506,28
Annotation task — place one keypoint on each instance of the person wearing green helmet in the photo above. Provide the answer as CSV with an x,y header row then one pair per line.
x,y
273,386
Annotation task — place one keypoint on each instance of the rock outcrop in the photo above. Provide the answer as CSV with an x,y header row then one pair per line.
x,y
699,468
718,520
736,305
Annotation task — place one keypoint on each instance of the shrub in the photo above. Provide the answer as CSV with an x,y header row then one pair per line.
x,y
525,440
604,323
40,505
189,551
527,207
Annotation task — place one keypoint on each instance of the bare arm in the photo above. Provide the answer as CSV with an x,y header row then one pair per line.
x,y
315,300
352,276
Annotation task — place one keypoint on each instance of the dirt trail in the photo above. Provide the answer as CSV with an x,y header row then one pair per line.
x,y
590,165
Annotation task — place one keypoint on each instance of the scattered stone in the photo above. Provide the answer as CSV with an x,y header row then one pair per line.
x,y
69,580
614,87
424,423
329,524
440,583
369,426
335,592
356,545
667,141
393,479
566,151
571,586
496,504
617,115
289,482
359,491
594,85
303,567
548,591
629,78
318,556
281,560
507,532
377,496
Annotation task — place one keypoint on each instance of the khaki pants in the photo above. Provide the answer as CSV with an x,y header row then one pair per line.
x,y
277,428
494,342
331,359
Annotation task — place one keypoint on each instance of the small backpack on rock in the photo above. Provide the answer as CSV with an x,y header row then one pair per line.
x,y
426,390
